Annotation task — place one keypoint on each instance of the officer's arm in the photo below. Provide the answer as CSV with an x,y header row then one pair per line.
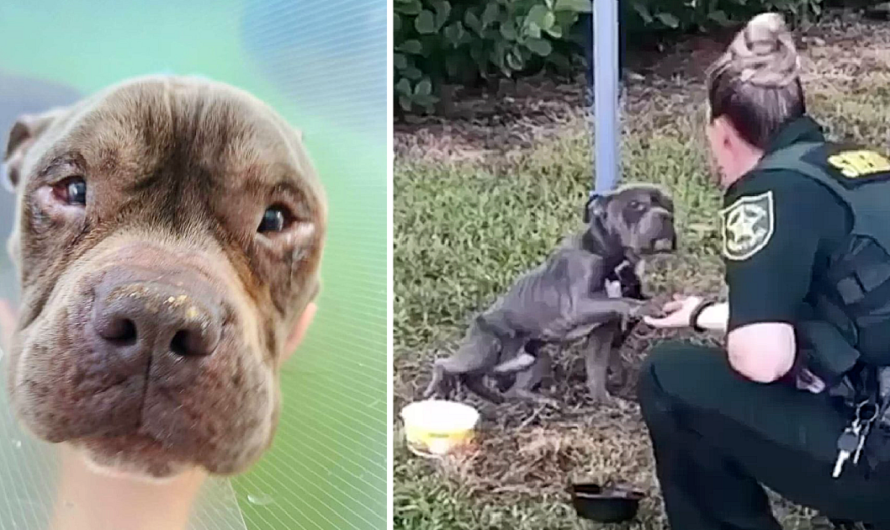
x,y
777,338
762,352
770,276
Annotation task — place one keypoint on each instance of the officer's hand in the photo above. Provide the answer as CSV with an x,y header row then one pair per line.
x,y
677,312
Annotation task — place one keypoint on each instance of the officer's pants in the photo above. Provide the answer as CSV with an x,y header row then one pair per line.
x,y
718,436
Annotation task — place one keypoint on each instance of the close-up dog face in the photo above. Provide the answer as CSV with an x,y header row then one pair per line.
x,y
168,237
640,216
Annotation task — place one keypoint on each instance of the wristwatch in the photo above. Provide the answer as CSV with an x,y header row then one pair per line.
x,y
693,317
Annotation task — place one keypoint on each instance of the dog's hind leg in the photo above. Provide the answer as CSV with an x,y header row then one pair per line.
x,y
528,380
476,384
444,368
466,362
509,374
437,382
506,373
516,364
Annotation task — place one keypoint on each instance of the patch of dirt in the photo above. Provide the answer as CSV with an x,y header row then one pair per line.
x,y
526,450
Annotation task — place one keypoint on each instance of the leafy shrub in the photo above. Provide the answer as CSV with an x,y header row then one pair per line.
x,y
471,42
467,42
686,15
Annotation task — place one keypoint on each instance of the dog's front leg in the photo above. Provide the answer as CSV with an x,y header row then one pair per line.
x,y
601,309
616,365
597,352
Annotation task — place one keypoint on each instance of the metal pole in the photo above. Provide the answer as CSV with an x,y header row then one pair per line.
x,y
606,87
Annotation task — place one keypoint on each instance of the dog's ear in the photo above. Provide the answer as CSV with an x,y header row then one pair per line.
x,y
26,130
595,206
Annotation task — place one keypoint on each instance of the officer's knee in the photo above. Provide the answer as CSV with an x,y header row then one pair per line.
x,y
649,391
668,371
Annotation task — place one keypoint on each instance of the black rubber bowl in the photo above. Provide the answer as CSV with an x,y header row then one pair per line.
x,y
609,505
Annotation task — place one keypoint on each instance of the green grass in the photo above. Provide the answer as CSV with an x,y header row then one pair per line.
x,y
465,229
463,232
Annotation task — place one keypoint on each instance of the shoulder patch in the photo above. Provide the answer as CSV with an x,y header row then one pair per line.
x,y
748,225
856,163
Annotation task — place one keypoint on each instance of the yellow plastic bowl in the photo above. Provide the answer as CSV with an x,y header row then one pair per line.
x,y
436,427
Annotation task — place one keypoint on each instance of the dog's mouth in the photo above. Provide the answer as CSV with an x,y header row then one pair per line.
x,y
664,245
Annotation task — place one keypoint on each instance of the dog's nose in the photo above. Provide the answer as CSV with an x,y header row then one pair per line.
x,y
155,317
666,218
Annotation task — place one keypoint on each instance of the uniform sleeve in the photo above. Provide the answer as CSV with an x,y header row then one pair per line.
x,y
773,228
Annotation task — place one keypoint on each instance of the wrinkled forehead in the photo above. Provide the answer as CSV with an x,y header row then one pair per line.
x,y
652,196
213,126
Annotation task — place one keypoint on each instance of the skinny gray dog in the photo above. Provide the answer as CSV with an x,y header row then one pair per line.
x,y
565,299
624,281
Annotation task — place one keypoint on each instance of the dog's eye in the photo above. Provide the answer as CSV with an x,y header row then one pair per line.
x,y
636,205
275,219
72,191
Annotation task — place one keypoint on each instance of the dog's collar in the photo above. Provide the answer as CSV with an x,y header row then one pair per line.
x,y
592,196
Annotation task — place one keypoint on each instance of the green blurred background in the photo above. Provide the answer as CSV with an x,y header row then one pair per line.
x,y
323,66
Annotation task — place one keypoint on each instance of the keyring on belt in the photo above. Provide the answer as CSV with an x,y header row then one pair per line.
x,y
859,416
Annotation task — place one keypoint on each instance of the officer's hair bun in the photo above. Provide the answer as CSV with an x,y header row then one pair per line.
x,y
764,54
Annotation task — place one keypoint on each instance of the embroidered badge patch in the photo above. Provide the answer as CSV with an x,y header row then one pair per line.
x,y
859,163
748,225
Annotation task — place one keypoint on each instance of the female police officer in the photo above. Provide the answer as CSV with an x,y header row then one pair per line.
x,y
806,225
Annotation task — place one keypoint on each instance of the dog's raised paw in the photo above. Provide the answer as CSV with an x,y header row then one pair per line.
x,y
644,308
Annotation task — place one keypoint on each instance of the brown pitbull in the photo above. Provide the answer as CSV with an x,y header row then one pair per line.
x,y
168,237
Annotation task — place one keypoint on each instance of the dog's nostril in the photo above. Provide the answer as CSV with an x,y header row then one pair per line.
x,y
189,344
121,331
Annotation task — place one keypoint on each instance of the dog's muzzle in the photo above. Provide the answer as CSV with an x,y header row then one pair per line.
x,y
666,244
665,239
142,316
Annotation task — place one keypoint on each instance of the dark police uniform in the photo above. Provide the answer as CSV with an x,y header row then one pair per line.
x,y
717,435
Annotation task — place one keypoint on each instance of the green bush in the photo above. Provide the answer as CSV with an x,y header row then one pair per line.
x,y
685,16
468,42
439,43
